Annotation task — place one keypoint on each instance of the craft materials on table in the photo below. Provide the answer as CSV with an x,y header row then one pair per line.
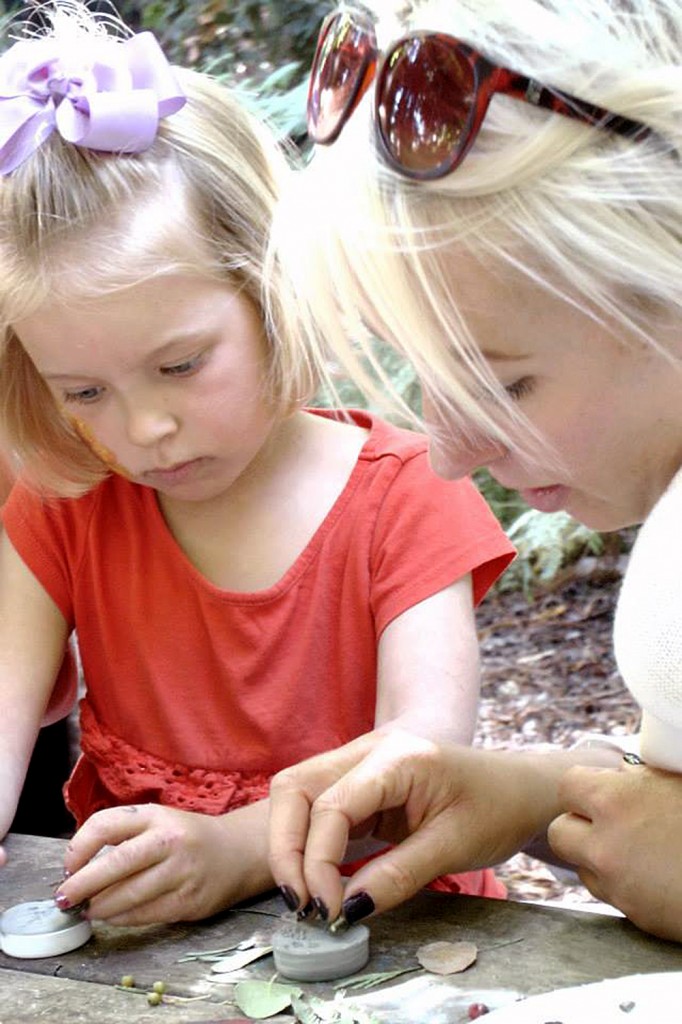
x,y
306,951
40,929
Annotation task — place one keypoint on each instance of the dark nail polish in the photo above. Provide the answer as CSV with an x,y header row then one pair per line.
x,y
357,906
62,901
306,911
321,908
290,898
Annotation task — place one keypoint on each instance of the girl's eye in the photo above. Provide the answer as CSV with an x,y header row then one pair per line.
x,y
184,369
83,396
520,388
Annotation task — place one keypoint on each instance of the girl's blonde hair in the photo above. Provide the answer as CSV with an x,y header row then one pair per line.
x,y
77,224
593,217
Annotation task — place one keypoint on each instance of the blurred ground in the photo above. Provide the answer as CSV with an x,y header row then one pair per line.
x,y
548,676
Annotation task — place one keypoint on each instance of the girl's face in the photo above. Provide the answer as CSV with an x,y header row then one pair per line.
x,y
167,375
611,414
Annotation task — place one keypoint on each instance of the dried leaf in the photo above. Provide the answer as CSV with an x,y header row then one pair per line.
x,y
239,959
217,954
261,999
447,957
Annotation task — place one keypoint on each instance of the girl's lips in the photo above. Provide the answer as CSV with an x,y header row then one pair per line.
x,y
177,474
546,499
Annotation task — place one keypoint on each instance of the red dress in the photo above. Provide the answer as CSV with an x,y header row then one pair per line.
x,y
196,696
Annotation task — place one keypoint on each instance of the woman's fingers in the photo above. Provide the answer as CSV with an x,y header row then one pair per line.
x,y
395,780
400,872
293,794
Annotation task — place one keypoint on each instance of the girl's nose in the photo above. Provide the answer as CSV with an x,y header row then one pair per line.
x,y
146,426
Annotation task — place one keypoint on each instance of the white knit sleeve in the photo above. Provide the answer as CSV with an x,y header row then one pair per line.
x,y
648,629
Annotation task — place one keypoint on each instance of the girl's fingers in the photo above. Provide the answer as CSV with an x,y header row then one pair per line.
x,y
138,899
120,864
106,828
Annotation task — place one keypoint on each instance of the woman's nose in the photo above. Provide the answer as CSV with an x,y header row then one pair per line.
x,y
455,457
455,451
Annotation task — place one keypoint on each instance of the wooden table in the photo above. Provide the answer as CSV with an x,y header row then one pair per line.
x,y
523,949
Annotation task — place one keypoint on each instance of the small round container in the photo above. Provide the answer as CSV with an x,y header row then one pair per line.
x,y
307,951
40,929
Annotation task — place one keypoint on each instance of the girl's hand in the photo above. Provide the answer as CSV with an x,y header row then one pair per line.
x,y
165,865
623,831
449,808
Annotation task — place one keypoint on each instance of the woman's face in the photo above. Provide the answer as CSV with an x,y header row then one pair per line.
x,y
610,413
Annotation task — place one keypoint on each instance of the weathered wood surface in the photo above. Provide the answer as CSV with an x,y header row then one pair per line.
x,y
523,949
39,999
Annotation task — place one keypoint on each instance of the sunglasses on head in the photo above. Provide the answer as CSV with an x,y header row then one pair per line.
x,y
431,95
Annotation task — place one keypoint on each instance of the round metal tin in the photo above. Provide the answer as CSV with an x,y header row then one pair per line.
x,y
40,929
308,951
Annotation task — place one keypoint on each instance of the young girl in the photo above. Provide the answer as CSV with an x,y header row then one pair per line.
x,y
505,206
251,582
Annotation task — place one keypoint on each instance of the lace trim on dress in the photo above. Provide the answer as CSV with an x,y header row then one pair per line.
x,y
111,772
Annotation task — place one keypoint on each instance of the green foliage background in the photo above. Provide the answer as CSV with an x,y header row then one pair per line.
x,y
265,49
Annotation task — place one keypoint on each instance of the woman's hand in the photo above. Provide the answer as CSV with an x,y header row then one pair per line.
x,y
623,831
448,808
164,864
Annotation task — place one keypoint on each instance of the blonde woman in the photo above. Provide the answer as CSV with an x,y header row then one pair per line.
x,y
497,191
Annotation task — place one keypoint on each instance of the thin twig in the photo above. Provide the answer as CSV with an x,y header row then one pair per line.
x,y
370,980
511,942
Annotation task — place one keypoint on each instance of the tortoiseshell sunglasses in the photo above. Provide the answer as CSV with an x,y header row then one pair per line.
x,y
431,95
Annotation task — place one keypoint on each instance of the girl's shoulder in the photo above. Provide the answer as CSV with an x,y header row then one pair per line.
x,y
110,498
382,438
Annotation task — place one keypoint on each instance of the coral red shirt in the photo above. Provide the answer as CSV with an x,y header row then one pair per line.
x,y
197,695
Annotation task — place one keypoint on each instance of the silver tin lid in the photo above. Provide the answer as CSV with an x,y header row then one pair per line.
x,y
39,929
308,951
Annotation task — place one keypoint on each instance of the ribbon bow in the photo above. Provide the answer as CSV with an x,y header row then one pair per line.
x,y
103,94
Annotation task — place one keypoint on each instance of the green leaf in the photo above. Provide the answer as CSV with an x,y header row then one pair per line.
x,y
261,999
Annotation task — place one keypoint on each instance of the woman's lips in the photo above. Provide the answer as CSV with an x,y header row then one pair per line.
x,y
546,499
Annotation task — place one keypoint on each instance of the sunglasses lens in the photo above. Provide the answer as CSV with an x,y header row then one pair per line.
x,y
425,99
345,52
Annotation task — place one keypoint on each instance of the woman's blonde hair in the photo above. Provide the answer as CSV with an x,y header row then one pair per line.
x,y
591,216
75,223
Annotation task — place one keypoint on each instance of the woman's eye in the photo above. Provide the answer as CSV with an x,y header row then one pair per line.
x,y
184,368
520,388
83,396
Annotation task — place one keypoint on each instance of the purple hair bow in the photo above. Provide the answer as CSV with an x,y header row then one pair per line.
x,y
103,94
